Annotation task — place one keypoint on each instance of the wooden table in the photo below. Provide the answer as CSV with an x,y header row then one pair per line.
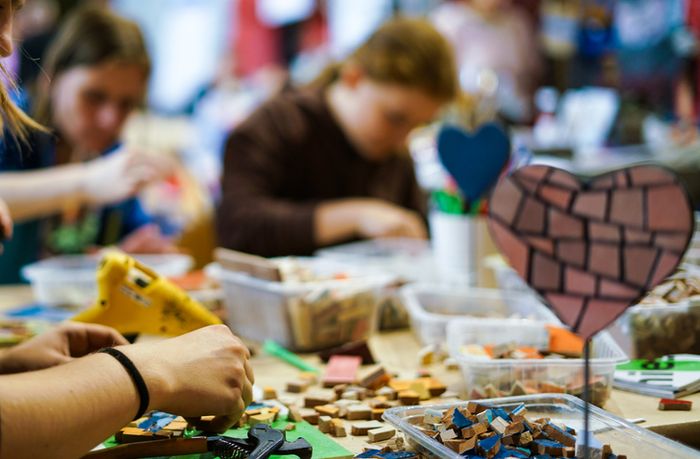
x,y
398,354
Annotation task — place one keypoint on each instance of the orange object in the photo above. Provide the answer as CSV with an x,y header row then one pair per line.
x,y
195,280
563,341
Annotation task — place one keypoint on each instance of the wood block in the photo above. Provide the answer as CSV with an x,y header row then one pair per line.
x,y
265,417
325,424
381,434
476,407
289,427
461,446
341,369
338,428
318,398
474,430
361,428
254,265
377,414
297,386
328,410
134,434
558,434
358,348
525,438
667,404
309,415
514,427
310,377
294,415
420,388
448,434
375,379
359,412
269,393
409,397
387,392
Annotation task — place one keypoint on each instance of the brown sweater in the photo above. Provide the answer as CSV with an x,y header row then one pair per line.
x,y
285,159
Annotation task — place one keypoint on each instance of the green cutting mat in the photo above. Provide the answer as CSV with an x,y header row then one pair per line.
x,y
323,446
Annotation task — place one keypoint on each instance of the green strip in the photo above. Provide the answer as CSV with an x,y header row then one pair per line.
x,y
660,365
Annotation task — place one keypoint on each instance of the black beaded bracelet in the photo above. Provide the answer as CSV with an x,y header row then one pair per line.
x,y
135,376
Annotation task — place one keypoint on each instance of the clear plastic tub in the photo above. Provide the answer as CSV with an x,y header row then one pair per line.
x,y
649,331
432,306
622,436
303,316
482,376
410,260
506,277
71,279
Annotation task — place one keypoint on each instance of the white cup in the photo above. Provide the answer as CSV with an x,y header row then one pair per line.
x,y
455,241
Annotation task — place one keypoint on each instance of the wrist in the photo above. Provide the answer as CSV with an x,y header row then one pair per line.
x,y
154,376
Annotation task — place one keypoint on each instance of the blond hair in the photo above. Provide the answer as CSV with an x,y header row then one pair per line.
x,y
13,118
407,52
91,36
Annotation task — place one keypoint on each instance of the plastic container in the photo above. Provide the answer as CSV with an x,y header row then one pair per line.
x,y
484,376
303,316
506,277
71,279
410,260
648,331
622,436
432,306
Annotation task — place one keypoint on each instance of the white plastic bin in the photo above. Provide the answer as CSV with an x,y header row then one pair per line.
x,y
410,260
303,316
433,306
71,279
537,375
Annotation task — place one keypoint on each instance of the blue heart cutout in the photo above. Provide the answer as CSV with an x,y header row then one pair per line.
x,y
475,161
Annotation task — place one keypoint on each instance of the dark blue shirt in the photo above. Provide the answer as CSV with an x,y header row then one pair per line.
x,y
32,239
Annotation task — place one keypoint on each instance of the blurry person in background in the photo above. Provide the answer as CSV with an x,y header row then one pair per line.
x,y
95,76
497,52
328,164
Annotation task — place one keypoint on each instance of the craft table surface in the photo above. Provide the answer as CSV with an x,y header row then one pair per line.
x,y
398,351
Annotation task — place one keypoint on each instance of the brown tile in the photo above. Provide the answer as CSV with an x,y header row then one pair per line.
x,y
604,260
627,207
650,175
621,180
591,204
555,196
543,245
532,217
564,179
638,264
515,250
573,252
577,281
617,290
563,225
566,307
545,273
599,314
528,184
637,237
505,200
537,172
603,232
666,266
669,209
672,241
603,183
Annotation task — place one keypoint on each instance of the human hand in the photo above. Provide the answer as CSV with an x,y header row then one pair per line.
x,y
147,239
378,218
121,175
5,223
59,345
204,372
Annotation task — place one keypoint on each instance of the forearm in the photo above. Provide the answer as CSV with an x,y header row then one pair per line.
x,y
66,410
336,221
38,193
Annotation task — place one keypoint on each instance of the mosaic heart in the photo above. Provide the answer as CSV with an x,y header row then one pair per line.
x,y
591,249
474,161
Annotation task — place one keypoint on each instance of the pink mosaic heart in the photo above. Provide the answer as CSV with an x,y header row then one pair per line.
x,y
591,249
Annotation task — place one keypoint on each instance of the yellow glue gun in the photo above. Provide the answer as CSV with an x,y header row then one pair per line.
x,y
132,298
